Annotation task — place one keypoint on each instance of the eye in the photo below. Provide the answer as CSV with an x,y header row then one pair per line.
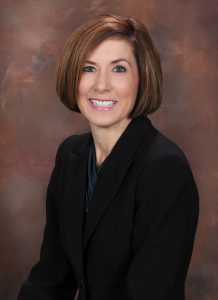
x,y
88,69
119,69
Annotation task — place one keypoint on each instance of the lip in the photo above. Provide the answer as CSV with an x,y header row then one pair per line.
x,y
102,108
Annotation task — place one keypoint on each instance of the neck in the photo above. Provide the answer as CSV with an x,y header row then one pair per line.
x,y
105,138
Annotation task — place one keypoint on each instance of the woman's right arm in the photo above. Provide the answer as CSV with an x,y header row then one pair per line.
x,y
52,277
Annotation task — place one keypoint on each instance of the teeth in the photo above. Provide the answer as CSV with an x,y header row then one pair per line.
x,y
105,103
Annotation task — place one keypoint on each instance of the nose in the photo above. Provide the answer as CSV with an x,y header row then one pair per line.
x,y
102,83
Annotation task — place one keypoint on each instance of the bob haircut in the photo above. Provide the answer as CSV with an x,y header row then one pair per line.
x,y
88,36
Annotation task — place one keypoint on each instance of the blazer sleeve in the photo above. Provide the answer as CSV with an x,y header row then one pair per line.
x,y
52,277
165,225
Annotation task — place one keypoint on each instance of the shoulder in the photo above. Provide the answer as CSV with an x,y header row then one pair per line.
x,y
73,143
163,148
165,171
163,160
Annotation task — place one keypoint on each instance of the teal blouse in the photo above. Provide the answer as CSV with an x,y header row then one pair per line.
x,y
92,174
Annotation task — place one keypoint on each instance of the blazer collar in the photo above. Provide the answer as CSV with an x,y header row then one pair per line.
x,y
126,144
79,229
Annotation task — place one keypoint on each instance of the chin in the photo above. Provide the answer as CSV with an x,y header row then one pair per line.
x,y
103,124
106,123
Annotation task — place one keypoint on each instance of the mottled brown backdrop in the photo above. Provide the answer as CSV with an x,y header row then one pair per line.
x,y
33,122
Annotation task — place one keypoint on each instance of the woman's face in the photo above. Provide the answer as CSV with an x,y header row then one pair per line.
x,y
109,83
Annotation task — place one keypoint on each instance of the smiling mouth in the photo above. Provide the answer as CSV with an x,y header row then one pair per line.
x,y
102,103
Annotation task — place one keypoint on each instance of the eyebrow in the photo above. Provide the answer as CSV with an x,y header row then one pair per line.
x,y
113,62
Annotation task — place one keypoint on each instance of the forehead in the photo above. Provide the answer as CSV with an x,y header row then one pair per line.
x,y
113,48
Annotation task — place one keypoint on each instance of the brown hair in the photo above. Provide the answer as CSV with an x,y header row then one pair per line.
x,y
88,36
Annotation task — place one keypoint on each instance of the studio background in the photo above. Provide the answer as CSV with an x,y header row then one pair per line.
x,y
33,122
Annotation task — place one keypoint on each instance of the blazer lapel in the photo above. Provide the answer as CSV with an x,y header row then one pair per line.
x,y
107,185
74,200
113,173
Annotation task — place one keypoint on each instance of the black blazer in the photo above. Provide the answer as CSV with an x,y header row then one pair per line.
x,y
136,241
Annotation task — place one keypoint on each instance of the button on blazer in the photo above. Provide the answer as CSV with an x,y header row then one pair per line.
x,y
137,238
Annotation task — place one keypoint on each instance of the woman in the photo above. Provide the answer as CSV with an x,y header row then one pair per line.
x,y
122,204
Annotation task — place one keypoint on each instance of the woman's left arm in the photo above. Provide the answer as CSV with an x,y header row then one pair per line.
x,y
166,218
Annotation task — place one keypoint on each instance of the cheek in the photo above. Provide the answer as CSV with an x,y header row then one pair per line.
x,y
127,88
133,86
84,86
